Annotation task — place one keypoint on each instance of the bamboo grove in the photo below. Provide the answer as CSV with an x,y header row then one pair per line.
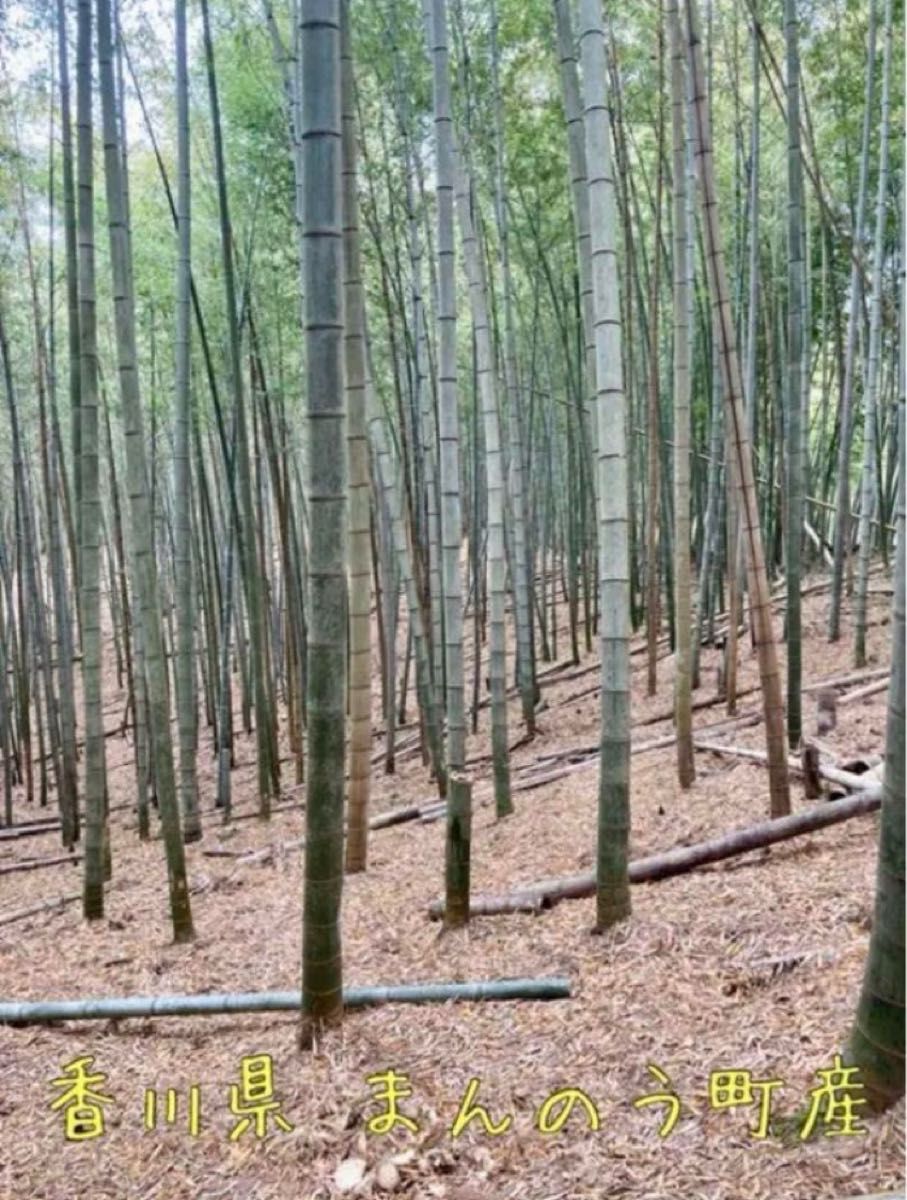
x,y
463,338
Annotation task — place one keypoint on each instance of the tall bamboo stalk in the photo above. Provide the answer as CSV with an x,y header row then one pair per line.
x,y
182,500
744,481
795,373
845,420
681,266
268,766
89,497
877,1038
869,486
613,885
459,801
322,286
652,421
360,562
147,606
522,556
494,472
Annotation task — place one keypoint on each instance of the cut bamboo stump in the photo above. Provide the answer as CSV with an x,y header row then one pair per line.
x,y
812,779
120,1008
679,861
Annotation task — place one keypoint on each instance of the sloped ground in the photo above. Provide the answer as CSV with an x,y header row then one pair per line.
x,y
685,986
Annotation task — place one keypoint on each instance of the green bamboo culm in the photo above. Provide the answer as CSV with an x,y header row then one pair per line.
x,y
360,551
72,280
20,1012
147,605
265,735
877,1039
322,971
613,883
869,482
494,471
459,802
89,497
185,690
686,768
795,365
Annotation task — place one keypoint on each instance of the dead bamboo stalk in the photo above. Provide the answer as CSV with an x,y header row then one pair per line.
x,y
35,864
832,774
58,903
863,693
396,816
32,829
851,677
681,860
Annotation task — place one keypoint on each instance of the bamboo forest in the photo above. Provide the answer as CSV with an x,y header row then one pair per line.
x,y
452,599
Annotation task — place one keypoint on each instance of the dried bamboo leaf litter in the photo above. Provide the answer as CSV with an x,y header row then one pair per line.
x,y
752,964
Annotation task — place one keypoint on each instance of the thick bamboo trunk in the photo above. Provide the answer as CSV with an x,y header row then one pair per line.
x,y
326,497
877,1039
360,565
459,806
613,892
89,497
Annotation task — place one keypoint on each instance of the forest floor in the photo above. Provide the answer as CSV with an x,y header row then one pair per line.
x,y
754,964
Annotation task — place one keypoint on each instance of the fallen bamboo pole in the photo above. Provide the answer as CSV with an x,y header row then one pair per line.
x,y
574,753
34,1012
863,693
538,776
32,829
880,1196
35,864
843,680
833,774
680,860
57,904
396,816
